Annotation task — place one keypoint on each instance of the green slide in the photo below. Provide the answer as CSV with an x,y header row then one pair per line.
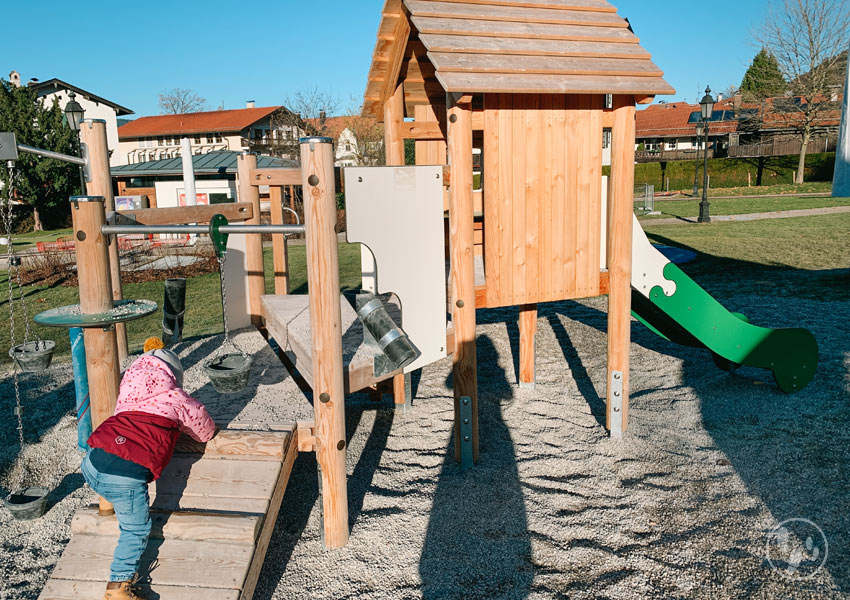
x,y
678,309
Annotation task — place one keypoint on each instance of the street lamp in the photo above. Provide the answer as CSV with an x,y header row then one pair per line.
x,y
699,127
707,106
74,114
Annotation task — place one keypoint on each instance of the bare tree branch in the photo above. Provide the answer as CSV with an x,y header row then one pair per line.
x,y
178,101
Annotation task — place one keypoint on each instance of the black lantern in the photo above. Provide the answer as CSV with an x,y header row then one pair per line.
x,y
74,113
707,105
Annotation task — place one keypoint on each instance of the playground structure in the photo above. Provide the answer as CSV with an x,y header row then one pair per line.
x,y
544,226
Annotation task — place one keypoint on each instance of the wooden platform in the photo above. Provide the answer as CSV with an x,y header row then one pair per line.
x,y
288,322
213,511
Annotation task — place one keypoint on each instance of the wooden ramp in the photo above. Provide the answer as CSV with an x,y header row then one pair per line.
x,y
213,512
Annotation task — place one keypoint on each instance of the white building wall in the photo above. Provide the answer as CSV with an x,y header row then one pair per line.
x,y
167,192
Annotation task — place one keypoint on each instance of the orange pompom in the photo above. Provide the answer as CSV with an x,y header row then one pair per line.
x,y
153,343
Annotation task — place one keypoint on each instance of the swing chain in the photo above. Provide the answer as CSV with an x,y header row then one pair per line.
x,y
7,223
227,338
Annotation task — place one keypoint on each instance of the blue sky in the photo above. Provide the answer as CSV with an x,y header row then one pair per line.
x,y
268,50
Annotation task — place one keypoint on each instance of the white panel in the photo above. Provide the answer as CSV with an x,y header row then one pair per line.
x,y
603,239
397,212
648,264
236,282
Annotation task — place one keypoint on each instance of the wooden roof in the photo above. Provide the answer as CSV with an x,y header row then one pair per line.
x,y
506,46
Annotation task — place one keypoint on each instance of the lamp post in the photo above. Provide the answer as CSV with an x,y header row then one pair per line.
x,y
699,130
74,114
707,107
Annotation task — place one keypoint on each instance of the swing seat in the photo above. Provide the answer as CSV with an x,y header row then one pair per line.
x,y
33,357
229,372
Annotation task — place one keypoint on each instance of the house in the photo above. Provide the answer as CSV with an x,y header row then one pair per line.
x,y
359,141
160,181
251,128
94,106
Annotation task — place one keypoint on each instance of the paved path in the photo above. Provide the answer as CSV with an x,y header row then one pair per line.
x,y
777,214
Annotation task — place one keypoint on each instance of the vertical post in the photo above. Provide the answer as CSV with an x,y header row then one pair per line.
x,y
245,162
317,169
279,249
620,262
462,265
93,274
394,155
527,332
93,137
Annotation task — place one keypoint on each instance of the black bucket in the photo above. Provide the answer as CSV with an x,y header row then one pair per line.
x,y
33,357
173,309
229,372
29,503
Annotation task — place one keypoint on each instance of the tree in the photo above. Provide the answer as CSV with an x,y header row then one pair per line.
x,y
178,101
367,139
807,38
763,78
304,113
44,184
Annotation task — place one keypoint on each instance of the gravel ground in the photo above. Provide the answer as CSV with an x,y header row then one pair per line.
x,y
684,507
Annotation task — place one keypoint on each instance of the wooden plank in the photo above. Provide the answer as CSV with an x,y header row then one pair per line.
x,y
276,176
254,445
530,46
179,562
393,119
518,198
593,168
585,237
489,12
548,84
191,476
177,502
527,334
620,249
201,214
209,527
505,199
492,217
254,264
559,195
280,254
269,521
533,159
317,163
422,130
572,123
526,30
559,65
545,262
395,56
465,363
64,589
589,5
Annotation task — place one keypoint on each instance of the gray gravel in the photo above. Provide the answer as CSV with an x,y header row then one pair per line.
x,y
683,507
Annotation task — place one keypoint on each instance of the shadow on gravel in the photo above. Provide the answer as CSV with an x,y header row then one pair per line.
x,y
477,544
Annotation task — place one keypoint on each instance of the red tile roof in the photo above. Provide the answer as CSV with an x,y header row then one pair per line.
x,y
672,120
201,122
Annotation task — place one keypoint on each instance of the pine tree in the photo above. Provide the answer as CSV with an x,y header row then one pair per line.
x,y
44,184
763,78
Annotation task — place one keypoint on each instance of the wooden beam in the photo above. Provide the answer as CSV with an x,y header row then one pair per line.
x,y
280,254
530,46
644,99
506,30
393,121
513,83
462,264
317,163
494,12
527,334
93,135
256,445
276,176
395,56
421,130
181,215
620,253
248,193
558,65
589,5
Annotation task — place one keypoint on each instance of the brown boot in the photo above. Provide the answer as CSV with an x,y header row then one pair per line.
x,y
122,590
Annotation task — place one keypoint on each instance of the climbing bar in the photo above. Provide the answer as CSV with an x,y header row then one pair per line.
x,y
50,154
177,229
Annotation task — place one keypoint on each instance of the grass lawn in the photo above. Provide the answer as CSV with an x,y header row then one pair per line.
x,y
812,187
203,312
739,206
22,241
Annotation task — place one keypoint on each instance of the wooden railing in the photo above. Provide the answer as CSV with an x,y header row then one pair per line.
x,y
781,148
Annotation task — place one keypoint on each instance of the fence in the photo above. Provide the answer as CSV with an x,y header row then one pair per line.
x,y
644,198
782,148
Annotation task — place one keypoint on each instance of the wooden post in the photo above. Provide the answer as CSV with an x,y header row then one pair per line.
x,y
317,167
462,265
527,332
93,274
254,241
620,260
280,250
393,119
394,156
93,135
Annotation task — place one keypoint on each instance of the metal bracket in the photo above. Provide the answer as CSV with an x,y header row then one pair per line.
x,y
616,401
465,433
8,146
218,238
117,218
84,154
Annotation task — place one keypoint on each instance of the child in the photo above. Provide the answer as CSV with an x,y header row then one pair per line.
x,y
132,447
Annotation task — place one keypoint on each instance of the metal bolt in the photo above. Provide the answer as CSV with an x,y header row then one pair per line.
x,y
81,235
359,180
340,445
453,118
616,393
268,176
324,398
466,438
616,409
465,401
459,304
616,375
466,421
313,180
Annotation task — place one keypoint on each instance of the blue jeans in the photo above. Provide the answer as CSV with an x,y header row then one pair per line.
x,y
129,496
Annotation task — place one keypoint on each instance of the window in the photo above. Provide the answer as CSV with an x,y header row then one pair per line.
x,y
258,134
672,144
210,138
197,138
161,140
217,138
348,147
